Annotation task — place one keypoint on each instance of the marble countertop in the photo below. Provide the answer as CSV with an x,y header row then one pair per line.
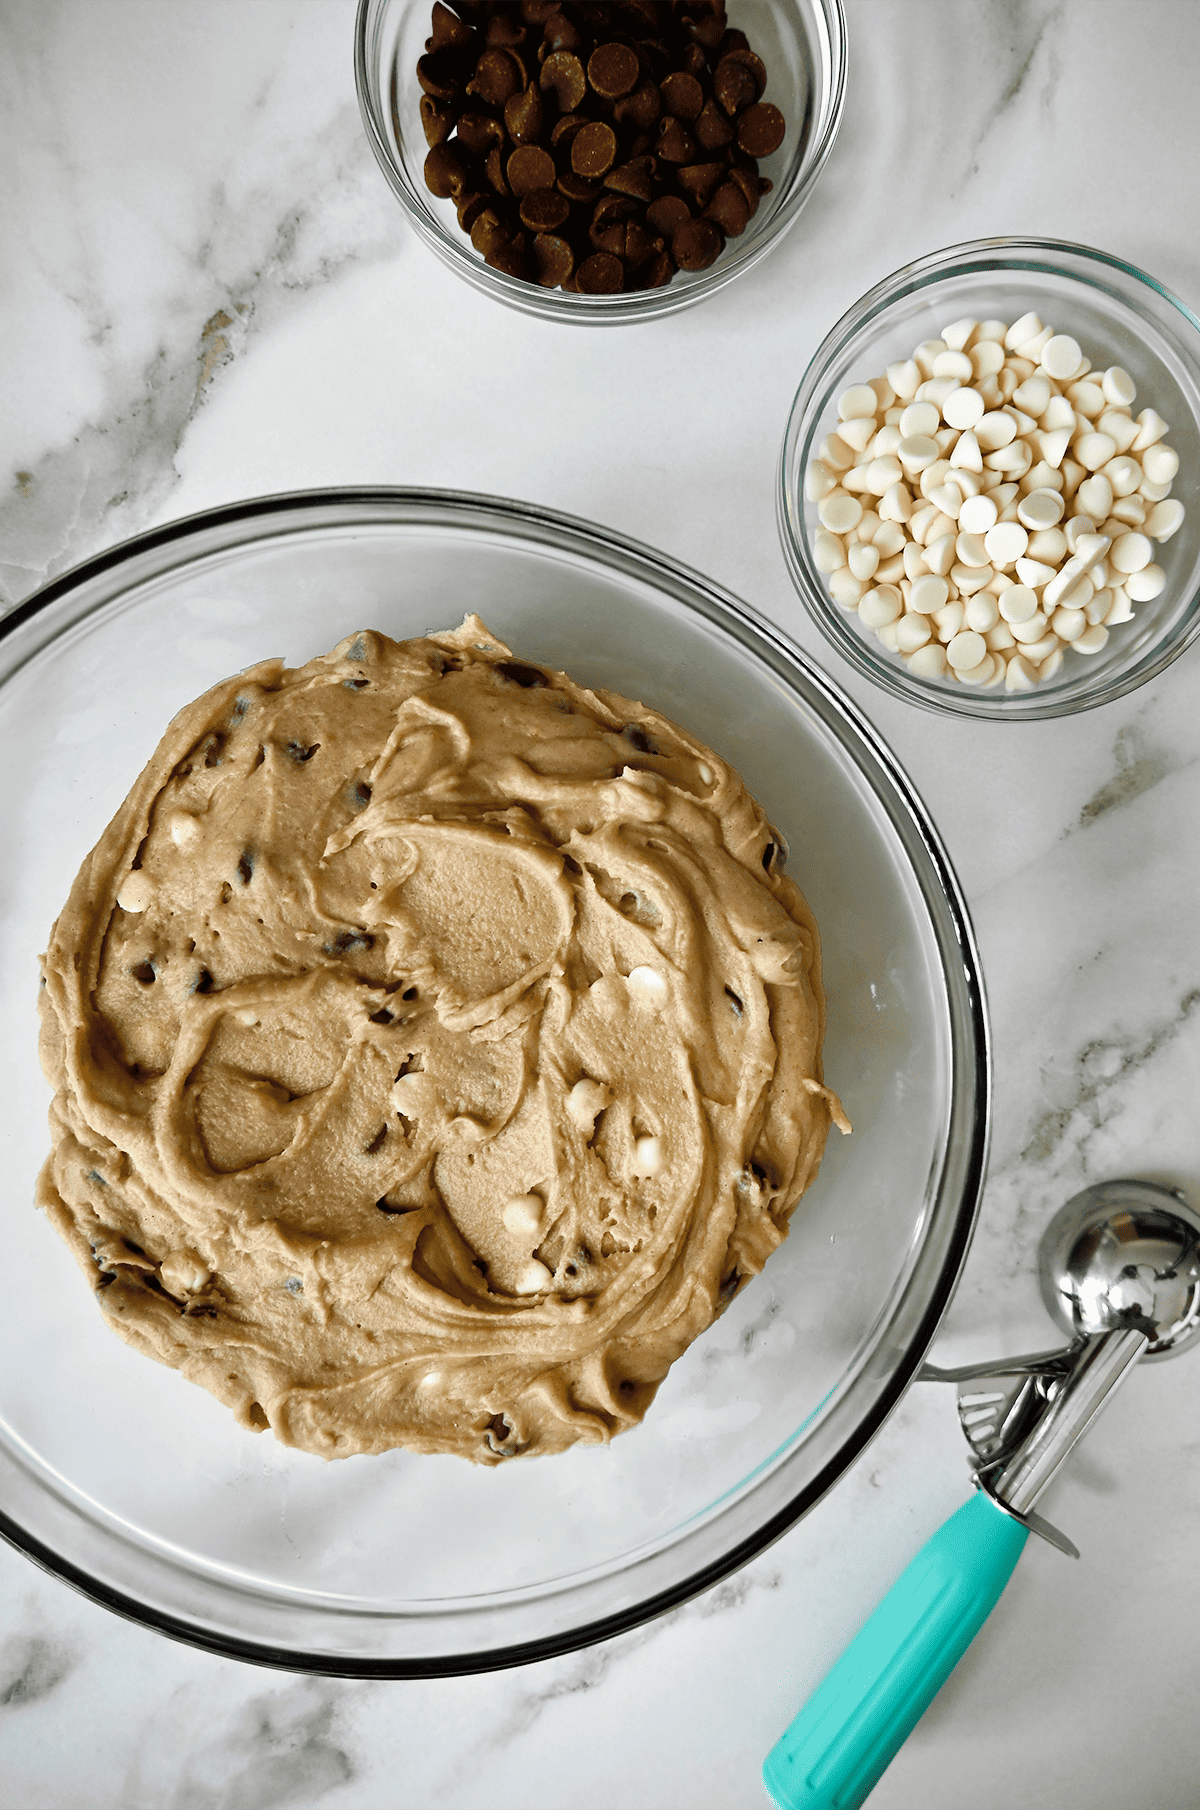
x,y
209,293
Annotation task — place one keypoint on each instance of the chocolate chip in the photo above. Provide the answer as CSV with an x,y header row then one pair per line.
x,y
245,868
494,171
760,129
497,76
553,257
517,673
577,188
560,34
747,179
642,108
448,32
699,180
469,205
637,738
675,143
489,231
667,214
653,273
613,70
347,942
504,31
633,178
562,76
436,76
639,246
524,116
563,131
734,86
601,274
682,95
437,118
730,209
510,257
593,149
713,131
203,982
544,210
742,53
478,132
530,168
696,244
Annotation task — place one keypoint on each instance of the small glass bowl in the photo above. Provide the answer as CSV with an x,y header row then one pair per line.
x,y
1119,315
801,42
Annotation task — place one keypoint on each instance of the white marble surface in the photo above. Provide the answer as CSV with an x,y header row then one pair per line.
x,y
207,292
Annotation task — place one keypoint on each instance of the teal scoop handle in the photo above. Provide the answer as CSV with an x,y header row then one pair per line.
x,y
858,1718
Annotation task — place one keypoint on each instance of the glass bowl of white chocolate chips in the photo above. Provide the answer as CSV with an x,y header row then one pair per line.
x,y
988,487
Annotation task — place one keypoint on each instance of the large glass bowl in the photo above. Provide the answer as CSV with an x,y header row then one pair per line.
x,y
128,1481
803,46
1119,315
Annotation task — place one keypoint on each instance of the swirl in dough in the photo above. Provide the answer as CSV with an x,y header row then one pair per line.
x,y
436,1047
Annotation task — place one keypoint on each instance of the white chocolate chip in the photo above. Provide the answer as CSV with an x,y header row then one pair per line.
x,y
648,985
523,1214
586,1101
533,1278
929,662
1060,357
184,1272
859,401
966,650
183,828
1160,464
1118,386
1144,586
647,1156
829,555
137,892
840,513
1165,519
1131,553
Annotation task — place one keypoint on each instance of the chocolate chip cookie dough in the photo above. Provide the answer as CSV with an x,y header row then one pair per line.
x,y
436,1047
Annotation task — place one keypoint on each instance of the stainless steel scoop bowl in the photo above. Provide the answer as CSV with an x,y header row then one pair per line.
x,y
1125,1253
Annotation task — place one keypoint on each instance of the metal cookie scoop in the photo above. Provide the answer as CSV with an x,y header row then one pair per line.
x,y
1119,1268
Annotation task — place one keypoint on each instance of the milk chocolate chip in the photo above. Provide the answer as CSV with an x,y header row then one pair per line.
x,y
613,69
760,129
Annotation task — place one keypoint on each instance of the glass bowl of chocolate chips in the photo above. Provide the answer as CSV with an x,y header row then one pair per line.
x,y
606,162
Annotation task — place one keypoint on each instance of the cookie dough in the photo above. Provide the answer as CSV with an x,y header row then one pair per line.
x,y
436,1050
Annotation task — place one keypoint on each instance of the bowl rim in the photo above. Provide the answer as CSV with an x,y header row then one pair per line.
x,y
972,256
610,310
273,513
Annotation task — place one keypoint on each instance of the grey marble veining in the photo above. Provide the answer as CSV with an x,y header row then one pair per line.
x,y
209,293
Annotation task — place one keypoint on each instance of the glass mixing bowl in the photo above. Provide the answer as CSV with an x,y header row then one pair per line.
x,y
1119,315
138,1487
803,46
